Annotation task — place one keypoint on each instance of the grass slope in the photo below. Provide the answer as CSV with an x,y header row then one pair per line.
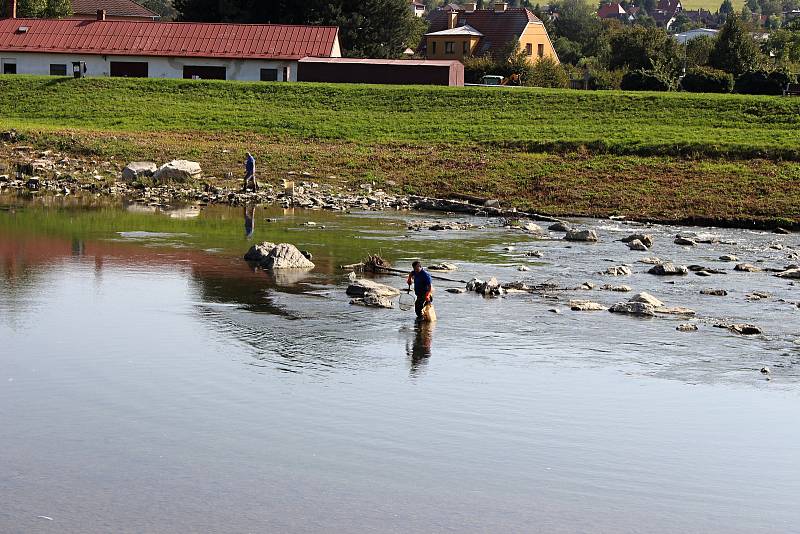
x,y
649,155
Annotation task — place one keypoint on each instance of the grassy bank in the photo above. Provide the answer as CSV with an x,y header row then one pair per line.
x,y
660,156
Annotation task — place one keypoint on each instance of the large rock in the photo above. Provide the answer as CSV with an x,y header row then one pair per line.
x,y
619,270
633,308
490,287
137,170
637,245
179,170
646,298
645,239
364,287
581,235
373,301
685,242
280,256
585,305
442,267
669,269
746,268
559,227
533,228
789,273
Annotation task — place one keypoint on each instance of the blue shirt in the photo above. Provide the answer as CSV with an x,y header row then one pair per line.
x,y
250,165
422,282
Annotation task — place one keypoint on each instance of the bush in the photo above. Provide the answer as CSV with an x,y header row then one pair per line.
x,y
762,83
475,68
546,72
642,80
707,80
600,78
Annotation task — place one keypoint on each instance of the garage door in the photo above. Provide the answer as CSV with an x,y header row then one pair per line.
x,y
204,73
129,69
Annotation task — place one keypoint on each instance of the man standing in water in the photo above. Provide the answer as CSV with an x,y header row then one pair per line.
x,y
250,172
422,287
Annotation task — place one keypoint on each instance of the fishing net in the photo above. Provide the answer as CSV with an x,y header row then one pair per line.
x,y
406,301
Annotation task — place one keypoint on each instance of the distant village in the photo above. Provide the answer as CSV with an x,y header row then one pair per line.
x,y
653,45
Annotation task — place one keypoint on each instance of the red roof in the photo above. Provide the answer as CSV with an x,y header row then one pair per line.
x,y
114,8
167,39
498,27
613,10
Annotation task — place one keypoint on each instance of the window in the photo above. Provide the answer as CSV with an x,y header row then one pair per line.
x,y
540,50
204,73
129,69
9,68
466,48
449,47
529,49
285,74
433,48
269,75
58,69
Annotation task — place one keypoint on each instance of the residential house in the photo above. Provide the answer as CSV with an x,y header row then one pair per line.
x,y
115,10
614,11
468,31
684,37
101,47
417,8
701,16
665,12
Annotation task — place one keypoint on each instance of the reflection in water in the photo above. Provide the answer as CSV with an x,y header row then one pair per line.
x,y
419,350
249,220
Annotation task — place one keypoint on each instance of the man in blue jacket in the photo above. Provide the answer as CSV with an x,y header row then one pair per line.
x,y
250,172
423,287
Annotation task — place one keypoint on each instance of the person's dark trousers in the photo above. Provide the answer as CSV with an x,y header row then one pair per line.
x,y
247,182
418,305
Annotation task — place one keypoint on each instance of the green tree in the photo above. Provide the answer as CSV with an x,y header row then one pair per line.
x,y
57,9
726,9
735,51
31,9
698,50
578,22
546,72
638,47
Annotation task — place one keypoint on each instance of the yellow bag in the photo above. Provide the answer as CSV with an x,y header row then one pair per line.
x,y
428,313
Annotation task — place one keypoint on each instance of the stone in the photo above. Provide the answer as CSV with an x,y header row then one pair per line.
x,y
307,254
714,292
585,305
728,258
523,268
633,308
686,328
620,270
442,267
491,203
619,289
651,261
745,329
646,298
286,256
373,301
685,242
532,228
363,287
179,170
676,310
793,274
260,251
534,253
644,239
456,290
581,235
780,230
490,287
702,273
637,245
668,269
560,227
746,268
765,370
136,170
509,249
758,295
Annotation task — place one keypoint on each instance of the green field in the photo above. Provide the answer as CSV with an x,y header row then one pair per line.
x,y
656,155
710,5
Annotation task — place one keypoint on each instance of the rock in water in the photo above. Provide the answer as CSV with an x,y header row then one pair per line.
x,y
533,228
669,269
620,270
728,257
179,170
789,273
280,256
560,227
685,242
633,308
442,267
646,298
637,245
373,301
456,290
363,287
686,328
644,239
746,268
581,235
780,230
585,305
138,169
714,292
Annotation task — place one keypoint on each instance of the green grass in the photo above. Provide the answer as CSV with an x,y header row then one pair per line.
x,y
710,5
661,156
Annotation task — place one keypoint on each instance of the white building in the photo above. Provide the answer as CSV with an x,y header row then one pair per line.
x,y
101,47
682,38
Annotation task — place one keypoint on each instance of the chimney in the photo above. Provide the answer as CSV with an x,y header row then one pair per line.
x,y
469,7
101,14
452,20
500,6
12,9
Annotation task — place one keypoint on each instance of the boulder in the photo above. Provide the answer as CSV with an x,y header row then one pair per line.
x,y
138,169
637,245
620,270
585,305
633,308
532,228
619,289
280,256
668,269
490,287
179,170
651,261
746,268
728,258
793,274
646,298
644,239
685,242
560,227
442,267
373,301
677,310
780,230
581,235
456,290
686,328
745,329
714,292
260,251
364,287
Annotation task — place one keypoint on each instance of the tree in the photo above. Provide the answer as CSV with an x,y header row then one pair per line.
x,y
698,50
57,9
578,22
726,9
735,51
637,47
29,9
162,7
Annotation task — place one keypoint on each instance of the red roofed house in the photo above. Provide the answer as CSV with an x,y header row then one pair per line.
x,y
613,11
455,34
115,10
666,11
101,47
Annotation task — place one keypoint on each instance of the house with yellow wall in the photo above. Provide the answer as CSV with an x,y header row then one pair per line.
x,y
465,32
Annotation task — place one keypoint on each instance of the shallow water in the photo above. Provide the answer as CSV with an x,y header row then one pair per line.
x,y
151,381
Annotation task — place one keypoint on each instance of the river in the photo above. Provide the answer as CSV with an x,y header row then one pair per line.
x,y
153,381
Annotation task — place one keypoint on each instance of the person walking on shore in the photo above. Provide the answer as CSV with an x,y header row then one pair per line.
x,y
250,173
423,287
